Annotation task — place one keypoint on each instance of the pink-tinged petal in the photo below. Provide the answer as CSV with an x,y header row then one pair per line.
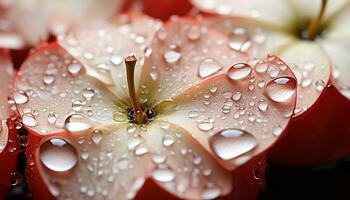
x,y
35,20
238,115
52,89
183,53
6,77
251,36
182,166
103,164
312,69
274,12
102,49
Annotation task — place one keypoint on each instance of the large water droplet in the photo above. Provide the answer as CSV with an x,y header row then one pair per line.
x,y
168,140
96,136
29,120
76,123
208,67
74,68
172,56
239,39
205,126
58,155
163,175
231,143
20,97
211,193
194,32
239,71
281,89
88,93
48,79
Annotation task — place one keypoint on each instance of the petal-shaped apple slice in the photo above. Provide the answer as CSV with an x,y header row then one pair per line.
x,y
55,16
183,53
8,140
182,166
278,13
238,115
107,163
54,92
102,49
251,36
312,69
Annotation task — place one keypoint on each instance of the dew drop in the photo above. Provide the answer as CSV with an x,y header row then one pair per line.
x,y
20,97
194,32
261,67
119,116
140,150
51,118
231,143
16,178
281,89
320,85
208,67
88,93
277,130
48,79
29,120
96,136
239,39
116,60
163,175
237,96
239,71
168,140
172,56
58,155
262,105
205,126
211,193
76,123
74,68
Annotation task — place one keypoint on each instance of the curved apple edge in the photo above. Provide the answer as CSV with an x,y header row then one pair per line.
x,y
8,160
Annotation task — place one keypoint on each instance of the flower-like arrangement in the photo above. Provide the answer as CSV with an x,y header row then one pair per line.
x,y
110,103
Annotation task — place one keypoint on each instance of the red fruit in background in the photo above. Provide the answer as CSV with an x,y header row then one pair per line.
x,y
162,9
319,131
207,112
8,140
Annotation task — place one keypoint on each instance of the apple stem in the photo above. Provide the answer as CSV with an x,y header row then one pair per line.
x,y
315,23
139,115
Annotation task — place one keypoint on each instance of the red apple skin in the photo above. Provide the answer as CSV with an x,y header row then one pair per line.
x,y
319,136
163,9
247,179
8,158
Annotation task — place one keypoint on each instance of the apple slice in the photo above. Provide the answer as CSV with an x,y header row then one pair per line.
x,y
8,139
51,17
312,61
88,141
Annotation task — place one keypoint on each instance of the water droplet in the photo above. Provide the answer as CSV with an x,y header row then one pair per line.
x,y
262,105
23,140
172,56
261,67
159,159
58,155
74,68
163,175
239,39
140,150
29,120
48,79
168,140
205,126
211,193
239,71
281,89
193,114
320,85
76,123
167,106
96,136
88,93
119,116
131,128
20,97
134,142
208,67
277,130
116,60
237,96
231,143
194,32
51,118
